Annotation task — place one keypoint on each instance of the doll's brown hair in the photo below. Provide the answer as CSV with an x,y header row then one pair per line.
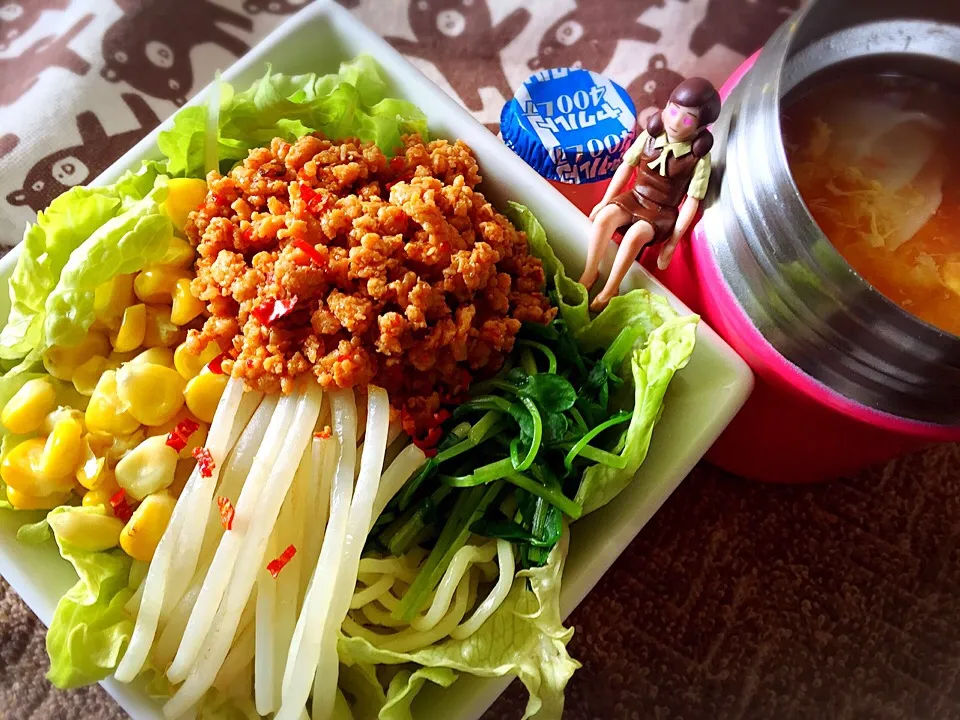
x,y
696,93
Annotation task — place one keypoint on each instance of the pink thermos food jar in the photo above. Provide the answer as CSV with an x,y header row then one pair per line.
x,y
845,377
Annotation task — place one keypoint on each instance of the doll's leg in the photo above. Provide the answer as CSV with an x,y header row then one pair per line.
x,y
639,234
601,232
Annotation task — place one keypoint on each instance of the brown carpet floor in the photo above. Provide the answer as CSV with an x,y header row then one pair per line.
x,y
737,601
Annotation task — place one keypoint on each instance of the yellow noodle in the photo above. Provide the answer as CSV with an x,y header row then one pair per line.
x,y
497,595
388,566
464,558
377,616
372,592
410,639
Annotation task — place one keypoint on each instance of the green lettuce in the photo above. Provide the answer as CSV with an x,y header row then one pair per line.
x,y
666,350
137,237
525,638
404,687
368,701
47,246
352,102
90,627
85,237
571,297
664,343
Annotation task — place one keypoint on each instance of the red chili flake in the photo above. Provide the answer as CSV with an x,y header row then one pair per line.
x,y
272,310
121,508
220,200
321,203
324,434
439,418
275,566
247,234
429,441
227,513
177,438
307,193
398,163
204,461
316,202
216,365
309,250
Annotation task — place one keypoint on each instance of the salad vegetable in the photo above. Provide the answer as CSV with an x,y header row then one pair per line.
x,y
330,550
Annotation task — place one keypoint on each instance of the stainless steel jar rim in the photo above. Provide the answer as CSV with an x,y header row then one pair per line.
x,y
788,278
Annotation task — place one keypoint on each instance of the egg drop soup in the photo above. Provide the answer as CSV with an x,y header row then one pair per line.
x,y
877,162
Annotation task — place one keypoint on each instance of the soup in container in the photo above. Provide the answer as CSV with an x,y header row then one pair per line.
x,y
828,254
572,126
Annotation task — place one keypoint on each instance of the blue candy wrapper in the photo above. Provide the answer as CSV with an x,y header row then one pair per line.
x,y
570,125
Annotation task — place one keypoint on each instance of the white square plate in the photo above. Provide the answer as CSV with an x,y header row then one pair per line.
x,y
701,400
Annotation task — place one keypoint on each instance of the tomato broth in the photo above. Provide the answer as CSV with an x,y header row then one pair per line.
x,y
877,161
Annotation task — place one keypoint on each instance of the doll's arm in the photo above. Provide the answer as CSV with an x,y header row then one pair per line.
x,y
621,177
688,211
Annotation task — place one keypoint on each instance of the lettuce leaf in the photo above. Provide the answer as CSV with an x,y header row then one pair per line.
x,y
47,245
664,343
86,234
404,687
352,102
35,533
90,627
368,701
136,237
571,297
524,638
667,349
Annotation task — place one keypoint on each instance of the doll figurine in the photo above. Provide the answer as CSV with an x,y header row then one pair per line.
x,y
672,162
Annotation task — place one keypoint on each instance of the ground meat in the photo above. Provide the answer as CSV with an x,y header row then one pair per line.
x,y
327,258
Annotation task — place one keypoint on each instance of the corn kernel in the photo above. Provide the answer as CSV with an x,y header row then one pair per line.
x,y
61,362
155,284
197,438
87,375
133,327
25,501
119,358
111,299
91,468
51,420
142,533
155,356
101,494
161,332
190,365
153,394
20,469
183,197
147,468
25,411
179,254
63,450
185,306
92,532
113,447
105,413
203,394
